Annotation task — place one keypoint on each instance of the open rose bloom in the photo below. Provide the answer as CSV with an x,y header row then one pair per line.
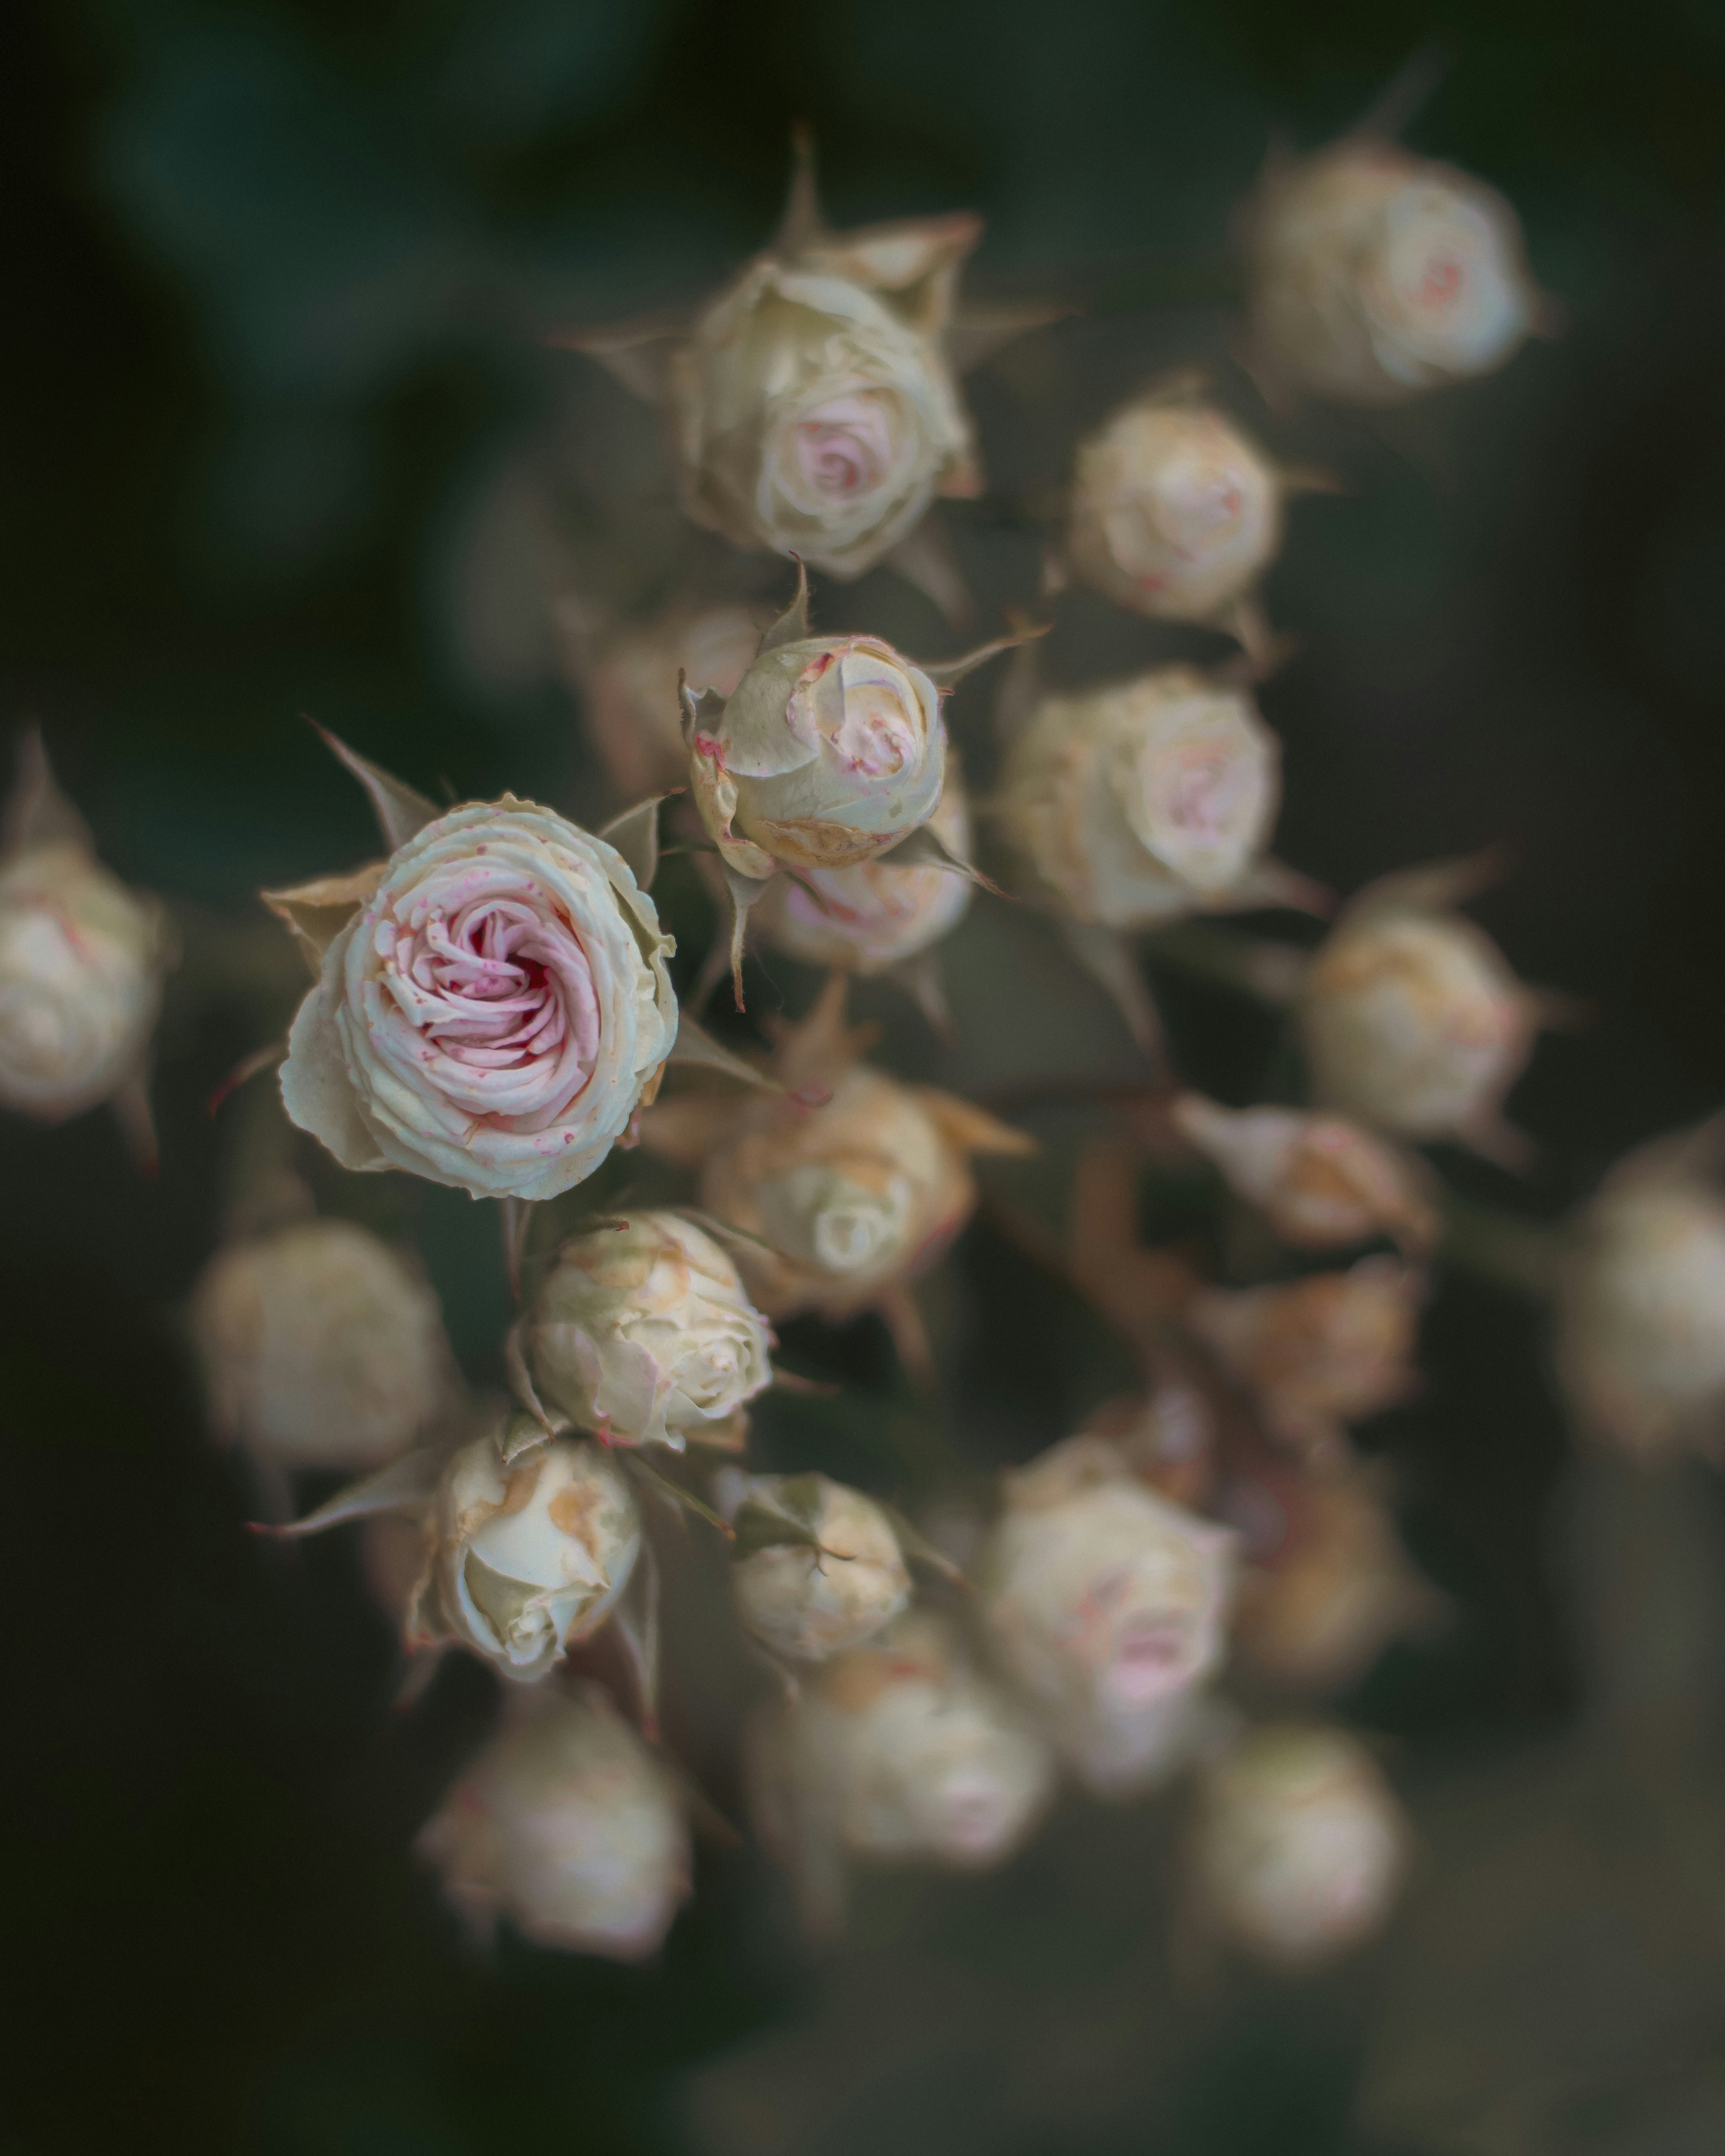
x,y
818,1569
1139,803
524,1556
1320,1181
570,1828
897,1752
1300,1847
321,1346
1176,513
1375,275
1412,1019
628,682
491,1003
81,963
642,1331
1641,1308
1107,1605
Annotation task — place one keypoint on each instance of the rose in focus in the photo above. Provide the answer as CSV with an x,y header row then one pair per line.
x,y
491,1010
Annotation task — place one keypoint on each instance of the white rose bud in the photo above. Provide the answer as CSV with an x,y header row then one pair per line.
x,y
1339,1589
320,1346
629,686
643,1332
1413,1020
569,1826
818,1569
896,1751
1300,1847
1641,1311
1375,275
1175,512
524,1559
1330,1349
81,960
492,1004
1139,803
814,405
1107,1604
876,915
1320,1181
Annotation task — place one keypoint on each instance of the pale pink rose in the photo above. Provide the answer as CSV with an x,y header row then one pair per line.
x,y
492,1014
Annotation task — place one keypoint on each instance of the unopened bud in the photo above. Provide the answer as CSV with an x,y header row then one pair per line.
x,y
321,1346
818,1568
567,1825
643,1332
1300,1846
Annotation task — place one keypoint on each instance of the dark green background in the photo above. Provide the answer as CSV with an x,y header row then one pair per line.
x,y
273,281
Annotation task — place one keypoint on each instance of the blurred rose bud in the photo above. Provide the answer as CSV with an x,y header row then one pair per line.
x,y
897,1751
643,1332
1318,1353
81,959
1641,1308
569,1826
1375,275
1175,512
524,1559
491,1003
1166,1439
320,1346
850,1197
1107,1605
1320,1181
876,914
1412,1019
629,687
1136,804
1300,1846
1319,1612
830,750
818,1568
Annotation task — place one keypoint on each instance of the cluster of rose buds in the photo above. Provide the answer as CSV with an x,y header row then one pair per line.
x,y
491,1009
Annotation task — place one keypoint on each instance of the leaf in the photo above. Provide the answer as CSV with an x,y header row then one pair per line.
x,y
401,813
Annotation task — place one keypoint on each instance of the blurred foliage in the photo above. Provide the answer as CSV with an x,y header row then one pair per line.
x,y
277,414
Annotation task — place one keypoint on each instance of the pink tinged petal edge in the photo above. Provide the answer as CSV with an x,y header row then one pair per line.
x,y
316,1089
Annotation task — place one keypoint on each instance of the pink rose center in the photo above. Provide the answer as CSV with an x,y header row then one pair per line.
x,y
1441,285
501,996
845,448
1152,1655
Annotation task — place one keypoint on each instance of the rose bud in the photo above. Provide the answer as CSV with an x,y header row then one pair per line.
x,y
643,1333
829,752
813,405
1107,1605
81,963
1318,1353
896,1751
1136,804
843,1199
1413,1020
818,1568
877,915
492,1004
1320,1181
524,1557
1315,1615
1641,1306
1375,275
320,1346
1176,513
1300,1846
629,685
568,1825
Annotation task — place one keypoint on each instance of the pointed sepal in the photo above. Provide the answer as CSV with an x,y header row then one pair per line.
x,y
401,813
400,1487
792,626
635,834
37,813
694,1044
